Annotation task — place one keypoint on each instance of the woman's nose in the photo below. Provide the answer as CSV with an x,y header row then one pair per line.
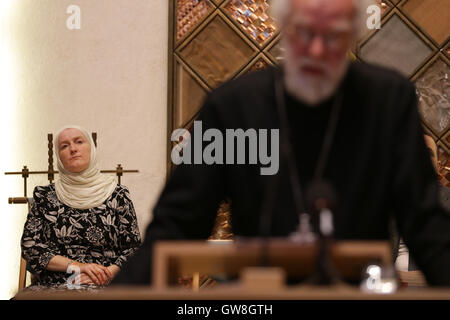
x,y
73,148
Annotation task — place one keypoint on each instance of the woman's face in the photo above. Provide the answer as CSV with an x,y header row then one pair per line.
x,y
74,150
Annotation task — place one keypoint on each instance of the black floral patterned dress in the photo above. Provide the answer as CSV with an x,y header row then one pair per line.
x,y
105,235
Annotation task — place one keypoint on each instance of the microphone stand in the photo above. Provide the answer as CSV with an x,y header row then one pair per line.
x,y
322,200
324,271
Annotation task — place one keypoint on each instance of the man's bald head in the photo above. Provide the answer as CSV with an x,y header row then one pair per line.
x,y
280,10
325,10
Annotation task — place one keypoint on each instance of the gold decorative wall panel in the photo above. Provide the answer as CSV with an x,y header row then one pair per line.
x,y
217,52
406,55
222,229
218,2
275,51
432,16
445,140
447,50
211,41
433,88
190,94
259,64
384,6
253,17
190,14
444,163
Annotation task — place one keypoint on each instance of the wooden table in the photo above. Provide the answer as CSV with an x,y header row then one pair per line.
x,y
233,292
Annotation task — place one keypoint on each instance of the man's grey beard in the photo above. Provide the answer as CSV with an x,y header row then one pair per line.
x,y
309,89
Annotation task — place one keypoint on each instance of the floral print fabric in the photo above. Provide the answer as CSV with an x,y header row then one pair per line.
x,y
105,235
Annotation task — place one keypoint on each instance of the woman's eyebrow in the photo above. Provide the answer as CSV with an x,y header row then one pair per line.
x,y
73,139
62,142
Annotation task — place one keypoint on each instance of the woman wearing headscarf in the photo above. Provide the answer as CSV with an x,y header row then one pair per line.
x,y
85,221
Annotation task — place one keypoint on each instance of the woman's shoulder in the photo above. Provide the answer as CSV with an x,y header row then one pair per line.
x,y
121,191
43,190
44,193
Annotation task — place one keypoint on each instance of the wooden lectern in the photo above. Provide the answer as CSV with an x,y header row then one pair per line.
x,y
231,258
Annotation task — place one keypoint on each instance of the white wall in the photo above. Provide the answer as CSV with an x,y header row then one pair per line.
x,y
110,77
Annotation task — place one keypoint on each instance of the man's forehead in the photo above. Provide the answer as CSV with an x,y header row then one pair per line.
x,y
326,10
338,24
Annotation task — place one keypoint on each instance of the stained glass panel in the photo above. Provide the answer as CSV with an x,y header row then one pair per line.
x,y
253,18
190,13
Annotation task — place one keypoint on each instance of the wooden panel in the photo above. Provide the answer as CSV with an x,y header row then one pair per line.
x,y
408,53
217,52
412,278
259,64
446,139
385,6
433,16
447,50
189,96
175,258
217,2
276,51
227,293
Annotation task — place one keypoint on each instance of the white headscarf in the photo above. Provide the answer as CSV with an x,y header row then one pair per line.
x,y
86,189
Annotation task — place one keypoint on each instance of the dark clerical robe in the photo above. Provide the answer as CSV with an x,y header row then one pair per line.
x,y
378,165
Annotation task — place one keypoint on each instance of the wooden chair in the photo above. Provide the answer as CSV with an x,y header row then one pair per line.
x,y
23,263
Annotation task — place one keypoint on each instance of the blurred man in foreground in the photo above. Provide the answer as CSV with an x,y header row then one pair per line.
x,y
349,130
